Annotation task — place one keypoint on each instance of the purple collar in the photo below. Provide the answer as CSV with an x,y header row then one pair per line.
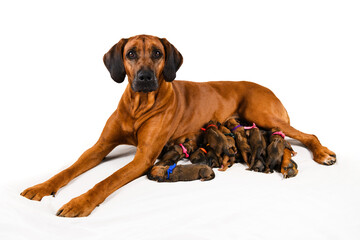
x,y
236,127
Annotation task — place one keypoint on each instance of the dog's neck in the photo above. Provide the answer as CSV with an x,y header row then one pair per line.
x,y
141,103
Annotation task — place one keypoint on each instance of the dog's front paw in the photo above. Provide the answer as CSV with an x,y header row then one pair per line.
x,y
289,170
39,191
78,207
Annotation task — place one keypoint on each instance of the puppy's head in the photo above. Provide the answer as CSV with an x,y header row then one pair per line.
x,y
148,61
231,123
190,145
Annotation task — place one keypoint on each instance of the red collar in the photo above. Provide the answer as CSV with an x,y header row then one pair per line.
x,y
203,149
210,125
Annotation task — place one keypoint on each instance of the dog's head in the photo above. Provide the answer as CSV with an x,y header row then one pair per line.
x,y
146,60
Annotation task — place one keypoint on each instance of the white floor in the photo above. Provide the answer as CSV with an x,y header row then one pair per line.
x,y
320,203
56,94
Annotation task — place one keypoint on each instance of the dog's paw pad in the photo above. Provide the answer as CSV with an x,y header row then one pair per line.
x,y
290,170
330,160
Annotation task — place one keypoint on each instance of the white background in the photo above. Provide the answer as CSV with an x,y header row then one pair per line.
x,y
56,95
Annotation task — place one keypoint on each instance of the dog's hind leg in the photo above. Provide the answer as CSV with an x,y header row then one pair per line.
x,y
265,109
321,154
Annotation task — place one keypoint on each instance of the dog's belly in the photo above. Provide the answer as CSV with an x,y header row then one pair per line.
x,y
199,102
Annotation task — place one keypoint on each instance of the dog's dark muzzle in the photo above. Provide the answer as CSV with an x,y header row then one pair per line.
x,y
145,81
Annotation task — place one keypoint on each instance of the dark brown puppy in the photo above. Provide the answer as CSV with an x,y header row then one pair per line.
x,y
212,159
228,161
181,173
199,156
154,109
258,149
197,137
240,138
216,140
275,150
177,152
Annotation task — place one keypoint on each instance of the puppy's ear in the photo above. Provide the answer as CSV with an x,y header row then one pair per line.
x,y
173,60
114,62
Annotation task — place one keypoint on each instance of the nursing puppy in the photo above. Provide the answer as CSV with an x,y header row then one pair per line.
x,y
212,159
196,137
230,137
181,173
240,138
216,140
258,148
177,152
199,156
275,150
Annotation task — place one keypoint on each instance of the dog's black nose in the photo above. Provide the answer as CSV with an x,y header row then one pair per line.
x,y
145,75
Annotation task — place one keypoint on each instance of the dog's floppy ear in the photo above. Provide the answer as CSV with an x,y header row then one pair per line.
x,y
173,60
114,62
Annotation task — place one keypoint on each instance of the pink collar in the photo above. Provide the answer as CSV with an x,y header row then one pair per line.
x,y
184,150
253,126
279,133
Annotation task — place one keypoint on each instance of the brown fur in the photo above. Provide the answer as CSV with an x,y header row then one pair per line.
x,y
199,156
182,173
258,149
240,139
275,151
213,160
288,166
152,113
175,153
216,140
228,161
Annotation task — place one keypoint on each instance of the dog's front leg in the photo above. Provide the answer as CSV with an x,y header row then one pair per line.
x,y
111,136
149,147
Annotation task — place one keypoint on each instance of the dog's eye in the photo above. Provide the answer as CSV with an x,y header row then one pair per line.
x,y
131,54
157,54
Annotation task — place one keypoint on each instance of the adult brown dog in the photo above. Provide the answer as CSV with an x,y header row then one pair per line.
x,y
154,110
